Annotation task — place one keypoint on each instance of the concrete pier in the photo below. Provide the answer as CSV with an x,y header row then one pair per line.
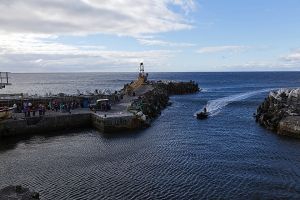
x,y
44,124
116,123
130,113
51,123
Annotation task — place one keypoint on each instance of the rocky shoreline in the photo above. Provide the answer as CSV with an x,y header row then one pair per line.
x,y
280,112
18,193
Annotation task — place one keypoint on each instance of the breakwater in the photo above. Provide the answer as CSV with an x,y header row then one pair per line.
x,y
152,102
178,88
280,112
128,113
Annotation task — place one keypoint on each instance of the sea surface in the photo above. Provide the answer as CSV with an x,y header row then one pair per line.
x,y
227,156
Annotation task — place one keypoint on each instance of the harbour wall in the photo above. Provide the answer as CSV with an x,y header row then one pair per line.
x,y
142,111
116,123
40,125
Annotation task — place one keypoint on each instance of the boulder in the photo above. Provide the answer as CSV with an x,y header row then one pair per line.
x,y
279,112
18,193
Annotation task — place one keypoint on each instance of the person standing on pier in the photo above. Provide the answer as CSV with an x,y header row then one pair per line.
x,y
50,106
40,110
15,107
33,111
25,109
69,108
29,107
43,110
55,105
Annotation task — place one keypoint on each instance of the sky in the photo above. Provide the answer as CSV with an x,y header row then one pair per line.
x,y
167,35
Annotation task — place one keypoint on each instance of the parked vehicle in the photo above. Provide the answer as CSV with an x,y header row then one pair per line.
x,y
101,105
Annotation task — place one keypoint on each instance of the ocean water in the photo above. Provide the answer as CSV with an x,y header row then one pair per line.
x,y
227,156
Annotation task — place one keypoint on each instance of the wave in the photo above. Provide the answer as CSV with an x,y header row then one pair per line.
x,y
214,107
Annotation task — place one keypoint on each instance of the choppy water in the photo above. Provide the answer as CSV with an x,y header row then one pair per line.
x,y
227,156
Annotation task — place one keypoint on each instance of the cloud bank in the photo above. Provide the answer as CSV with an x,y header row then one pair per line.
x,y
153,42
32,53
132,17
218,49
293,56
28,32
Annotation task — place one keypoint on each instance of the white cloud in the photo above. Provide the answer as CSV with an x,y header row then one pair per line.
x,y
260,66
32,53
153,42
84,62
29,29
133,17
290,62
218,49
187,6
38,44
293,56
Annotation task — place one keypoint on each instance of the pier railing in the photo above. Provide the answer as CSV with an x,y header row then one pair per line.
x,y
4,79
9,100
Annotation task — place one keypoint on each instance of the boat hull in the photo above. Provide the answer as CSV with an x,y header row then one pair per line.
x,y
6,113
202,115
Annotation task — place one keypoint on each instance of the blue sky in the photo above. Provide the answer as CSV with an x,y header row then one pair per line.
x,y
167,35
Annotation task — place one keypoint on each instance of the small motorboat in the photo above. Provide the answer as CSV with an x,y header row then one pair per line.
x,y
202,115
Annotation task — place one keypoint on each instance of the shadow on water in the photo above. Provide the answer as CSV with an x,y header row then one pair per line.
x,y
11,142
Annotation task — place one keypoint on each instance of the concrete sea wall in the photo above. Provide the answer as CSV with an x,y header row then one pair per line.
x,y
39,125
36,125
115,123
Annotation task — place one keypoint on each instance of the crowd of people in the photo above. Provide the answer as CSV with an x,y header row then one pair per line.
x,y
33,109
30,110
63,106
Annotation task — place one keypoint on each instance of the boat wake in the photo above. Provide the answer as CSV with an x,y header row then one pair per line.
x,y
214,107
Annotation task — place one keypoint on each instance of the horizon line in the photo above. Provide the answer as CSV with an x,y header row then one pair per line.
x,y
263,71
